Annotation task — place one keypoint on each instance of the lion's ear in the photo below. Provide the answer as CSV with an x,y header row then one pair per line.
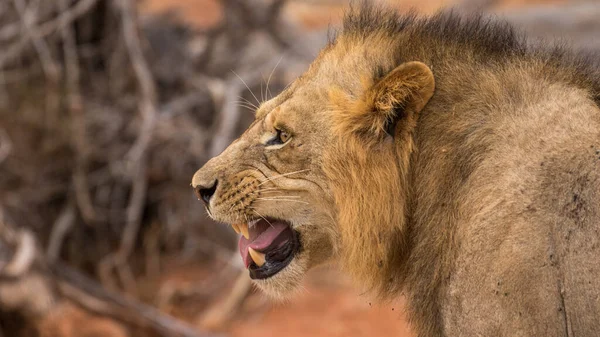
x,y
399,96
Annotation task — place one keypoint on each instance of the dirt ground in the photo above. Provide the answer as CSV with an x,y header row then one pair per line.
x,y
328,306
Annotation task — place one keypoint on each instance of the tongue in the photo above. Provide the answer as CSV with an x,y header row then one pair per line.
x,y
269,236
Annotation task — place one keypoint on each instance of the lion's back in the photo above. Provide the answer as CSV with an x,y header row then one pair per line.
x,y
530,243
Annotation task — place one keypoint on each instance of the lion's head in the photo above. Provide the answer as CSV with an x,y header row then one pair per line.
x,y
321,173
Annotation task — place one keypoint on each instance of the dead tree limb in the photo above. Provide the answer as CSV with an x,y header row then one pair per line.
x,y
5,145
88,293
218,315
47,28
76,110
27,284
60,228
136,158
144,78
28,18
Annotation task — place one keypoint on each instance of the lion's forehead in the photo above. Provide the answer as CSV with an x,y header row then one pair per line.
x,y
302,108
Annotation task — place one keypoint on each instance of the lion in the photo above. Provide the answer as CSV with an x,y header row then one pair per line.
x,y
442,158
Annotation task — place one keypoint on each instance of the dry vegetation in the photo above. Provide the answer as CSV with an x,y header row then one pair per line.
x,y
104,117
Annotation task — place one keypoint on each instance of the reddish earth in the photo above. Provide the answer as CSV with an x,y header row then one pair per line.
x,y
328,307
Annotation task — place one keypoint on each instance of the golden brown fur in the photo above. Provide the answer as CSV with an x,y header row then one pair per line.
x,y
443,158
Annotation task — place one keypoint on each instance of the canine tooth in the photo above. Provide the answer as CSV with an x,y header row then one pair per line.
x,y
244,230
257,257
236,228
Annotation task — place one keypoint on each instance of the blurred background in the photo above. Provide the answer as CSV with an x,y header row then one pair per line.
x,y
108,107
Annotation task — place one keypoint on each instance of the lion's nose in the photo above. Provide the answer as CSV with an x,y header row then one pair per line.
x,y
205,192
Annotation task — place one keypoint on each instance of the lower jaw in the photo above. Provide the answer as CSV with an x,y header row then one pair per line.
x,y
285,284
276,259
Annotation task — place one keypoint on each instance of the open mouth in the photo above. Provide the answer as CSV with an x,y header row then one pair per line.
x,y
267,246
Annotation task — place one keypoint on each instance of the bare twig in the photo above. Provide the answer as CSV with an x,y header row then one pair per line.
x,y
5,145
273,16
22,288
144,78
28,20
61,226
230,112
30,290
208,286
66,18
221,313
182,104
137,155
116,132
88,293
75,107
23,257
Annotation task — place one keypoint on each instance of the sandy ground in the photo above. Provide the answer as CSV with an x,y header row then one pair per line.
x,y
329,306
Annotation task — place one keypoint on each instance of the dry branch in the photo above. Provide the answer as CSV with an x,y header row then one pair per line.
x,y
26,284
60,228
137,154
65,19
5,145
103,119
89,294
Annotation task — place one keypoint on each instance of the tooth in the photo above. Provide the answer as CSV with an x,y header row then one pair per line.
x,y
236,228
244,230
257,257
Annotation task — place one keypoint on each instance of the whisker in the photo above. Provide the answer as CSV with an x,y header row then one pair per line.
x,y
262,95
246,105
271,74
279,199
282,175
255,211
241,79
284,196
247,101
269,189
243,105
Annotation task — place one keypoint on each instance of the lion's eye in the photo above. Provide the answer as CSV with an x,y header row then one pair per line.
x,y
283,136
280,138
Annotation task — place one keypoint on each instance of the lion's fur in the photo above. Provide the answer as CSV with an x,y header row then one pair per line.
x,y
371,235
487,81
483,208
484,71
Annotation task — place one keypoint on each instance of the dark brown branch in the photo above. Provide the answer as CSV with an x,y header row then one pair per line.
x,y
66,18
60,228
89,294
5,145
28,20
76,110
